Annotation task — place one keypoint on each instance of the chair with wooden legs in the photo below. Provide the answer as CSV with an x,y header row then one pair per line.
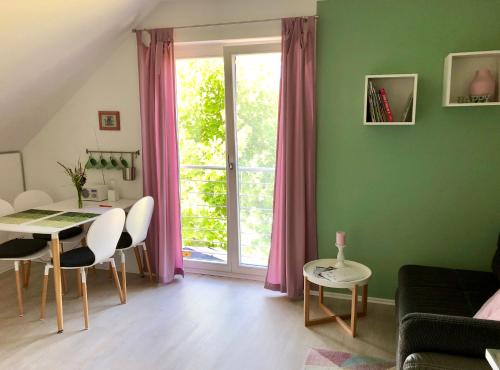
x,y
137,225
102,238
20,251
68,238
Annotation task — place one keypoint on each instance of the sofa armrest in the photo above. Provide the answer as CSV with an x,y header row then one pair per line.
x,y
455,335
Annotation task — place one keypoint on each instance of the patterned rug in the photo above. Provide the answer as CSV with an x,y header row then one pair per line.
x,y
325,359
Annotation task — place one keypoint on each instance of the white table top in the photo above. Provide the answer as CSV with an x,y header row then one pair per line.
x,y
364,272
68,205
493,357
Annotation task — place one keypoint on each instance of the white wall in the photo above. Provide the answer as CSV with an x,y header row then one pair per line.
x,y
114,86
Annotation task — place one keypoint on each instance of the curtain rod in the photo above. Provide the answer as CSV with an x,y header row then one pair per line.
x,y
223,23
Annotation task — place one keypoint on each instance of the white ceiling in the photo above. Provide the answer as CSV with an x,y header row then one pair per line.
x,y
48,49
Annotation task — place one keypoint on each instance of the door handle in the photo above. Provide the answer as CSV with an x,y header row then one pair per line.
x,y
230,163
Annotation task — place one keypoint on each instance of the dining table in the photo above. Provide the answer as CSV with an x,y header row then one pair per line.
x,y
52,219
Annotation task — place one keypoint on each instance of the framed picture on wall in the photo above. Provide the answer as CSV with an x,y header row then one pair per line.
x,y
109,120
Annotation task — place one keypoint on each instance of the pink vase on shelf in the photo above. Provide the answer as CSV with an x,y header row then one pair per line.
x,y
483,84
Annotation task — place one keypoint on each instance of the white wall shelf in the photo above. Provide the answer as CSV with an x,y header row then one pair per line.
x,y
459,71
398,88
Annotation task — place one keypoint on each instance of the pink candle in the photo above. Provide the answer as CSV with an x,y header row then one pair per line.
x,y
340,239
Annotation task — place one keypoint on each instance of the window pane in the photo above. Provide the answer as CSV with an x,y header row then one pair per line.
x,y
257,95
202,149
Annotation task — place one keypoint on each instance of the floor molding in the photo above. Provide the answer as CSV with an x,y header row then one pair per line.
x,y
5,269
223,274
389,302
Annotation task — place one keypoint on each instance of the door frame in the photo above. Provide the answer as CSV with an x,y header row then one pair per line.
x,y
228,52
233,222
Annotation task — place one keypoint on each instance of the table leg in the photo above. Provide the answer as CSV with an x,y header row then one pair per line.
x,y
354,313
321,294
364,300
307,296
56,262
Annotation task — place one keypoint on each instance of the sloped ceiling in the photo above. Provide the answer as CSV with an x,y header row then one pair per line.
x,y
48,49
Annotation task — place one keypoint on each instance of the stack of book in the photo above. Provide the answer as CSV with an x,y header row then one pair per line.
x,y
379,109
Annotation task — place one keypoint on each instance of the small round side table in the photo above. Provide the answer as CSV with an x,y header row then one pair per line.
x,y
363,273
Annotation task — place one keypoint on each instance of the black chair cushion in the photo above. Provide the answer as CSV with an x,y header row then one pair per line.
x,y
65,234
17,248
125,241
495,265
78,257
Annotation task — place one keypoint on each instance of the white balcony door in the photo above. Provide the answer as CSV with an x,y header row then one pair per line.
x,y
227,114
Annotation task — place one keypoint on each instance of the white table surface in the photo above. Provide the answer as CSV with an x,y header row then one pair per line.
x,y
68,205
493,357
363,270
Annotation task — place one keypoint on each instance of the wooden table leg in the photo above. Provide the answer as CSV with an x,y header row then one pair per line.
x,y
307,296
364,300
354,312
321,296
56,262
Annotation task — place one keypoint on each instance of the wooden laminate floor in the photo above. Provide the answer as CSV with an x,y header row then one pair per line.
x,y
196,323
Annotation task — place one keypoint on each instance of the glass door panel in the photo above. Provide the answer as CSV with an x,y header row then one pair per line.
x,y
202,149
256,95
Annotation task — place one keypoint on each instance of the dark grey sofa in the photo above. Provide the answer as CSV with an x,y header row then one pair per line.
x,y
435,307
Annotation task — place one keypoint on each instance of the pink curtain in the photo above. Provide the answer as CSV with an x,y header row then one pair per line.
x,y
293,240
159,150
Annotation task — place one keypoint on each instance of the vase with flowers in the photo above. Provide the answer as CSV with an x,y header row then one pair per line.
x,y
78,177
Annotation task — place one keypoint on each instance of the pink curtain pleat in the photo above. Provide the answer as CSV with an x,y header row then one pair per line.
x,y
293,240
160,152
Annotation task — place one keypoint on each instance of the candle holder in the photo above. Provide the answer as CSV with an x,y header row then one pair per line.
x,y
340,256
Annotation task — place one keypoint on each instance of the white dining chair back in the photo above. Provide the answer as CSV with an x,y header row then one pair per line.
x,y
31,199
104,233
139,218
5,208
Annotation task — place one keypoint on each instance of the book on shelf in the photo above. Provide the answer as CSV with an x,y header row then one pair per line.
x,y
387,107
378,104
374,102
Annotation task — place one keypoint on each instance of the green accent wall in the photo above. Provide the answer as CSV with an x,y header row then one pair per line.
x,y
424,194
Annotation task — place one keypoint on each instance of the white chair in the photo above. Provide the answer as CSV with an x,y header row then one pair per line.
x,y
31,199
102,238
68,238
18,250
137,225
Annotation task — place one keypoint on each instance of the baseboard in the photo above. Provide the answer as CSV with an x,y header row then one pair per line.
x,y
5,267
376,300
223,274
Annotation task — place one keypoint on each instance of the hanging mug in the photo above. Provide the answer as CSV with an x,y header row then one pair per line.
x,y
91,162
103,163
114,163
123,162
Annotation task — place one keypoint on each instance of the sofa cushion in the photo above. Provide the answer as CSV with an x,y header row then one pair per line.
x,y
495,265
443,291
491,309
441,361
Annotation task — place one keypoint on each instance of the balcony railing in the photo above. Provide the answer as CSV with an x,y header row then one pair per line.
x,y
204,212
